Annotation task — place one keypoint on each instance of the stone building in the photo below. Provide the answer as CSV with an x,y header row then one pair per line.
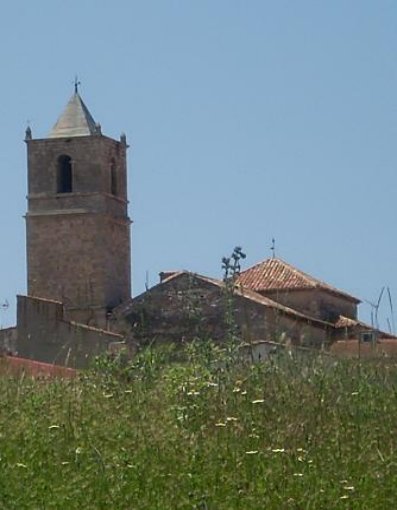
x,y
185,305
77,225
79,280
272,302
302,292
278,280
77,241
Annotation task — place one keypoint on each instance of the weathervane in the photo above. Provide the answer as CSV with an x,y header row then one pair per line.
x,y
273,248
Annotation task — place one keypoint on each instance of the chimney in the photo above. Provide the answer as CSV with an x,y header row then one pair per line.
x,y
166,274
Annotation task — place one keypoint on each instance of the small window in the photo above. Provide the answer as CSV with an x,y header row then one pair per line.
x,y
113,178
367,337
64,176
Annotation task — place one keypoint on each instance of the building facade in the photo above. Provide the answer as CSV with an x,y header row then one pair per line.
x,y
185,306
77,224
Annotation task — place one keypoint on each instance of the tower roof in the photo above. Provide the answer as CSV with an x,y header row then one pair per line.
x,y
75,120
275,274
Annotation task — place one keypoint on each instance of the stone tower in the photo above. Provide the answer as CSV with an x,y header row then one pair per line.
x,y
77,225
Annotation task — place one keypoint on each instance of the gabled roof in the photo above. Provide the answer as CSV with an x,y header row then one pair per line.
x,y
124,309
346,322
75,120
275,274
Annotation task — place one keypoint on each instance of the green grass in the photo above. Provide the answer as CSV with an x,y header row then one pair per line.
x,y
291,433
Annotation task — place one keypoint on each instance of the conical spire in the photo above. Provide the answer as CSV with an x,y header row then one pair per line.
x,y
75,120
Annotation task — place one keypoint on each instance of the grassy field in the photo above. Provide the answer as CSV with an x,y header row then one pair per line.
x,y
310,433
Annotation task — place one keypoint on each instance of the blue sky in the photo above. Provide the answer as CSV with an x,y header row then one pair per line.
x,y
247,120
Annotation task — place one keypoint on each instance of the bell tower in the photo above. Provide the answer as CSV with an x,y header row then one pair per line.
x,y
77,224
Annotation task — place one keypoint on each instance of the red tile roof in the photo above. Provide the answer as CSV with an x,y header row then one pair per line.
x,y
16,365
346,322
275,274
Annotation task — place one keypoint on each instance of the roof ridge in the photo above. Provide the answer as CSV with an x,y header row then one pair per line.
x,y
275,273
309,279
241,291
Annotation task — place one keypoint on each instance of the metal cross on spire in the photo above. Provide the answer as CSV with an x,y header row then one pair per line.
x,y
77,82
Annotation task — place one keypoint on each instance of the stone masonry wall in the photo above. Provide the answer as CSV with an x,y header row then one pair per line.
x,y
78,243
186,307
44,335
8,340
317,303
79,259
91,156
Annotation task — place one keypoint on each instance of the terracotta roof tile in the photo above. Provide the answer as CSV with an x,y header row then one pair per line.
x,y
346,322
35,368
275,274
